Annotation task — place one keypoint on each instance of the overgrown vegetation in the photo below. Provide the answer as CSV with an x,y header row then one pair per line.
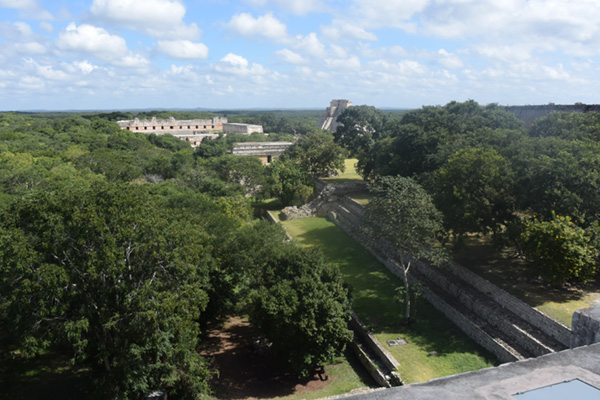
x,y
117,247
487,173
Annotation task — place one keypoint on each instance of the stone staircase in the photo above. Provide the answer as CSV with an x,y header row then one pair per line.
x,y
501,323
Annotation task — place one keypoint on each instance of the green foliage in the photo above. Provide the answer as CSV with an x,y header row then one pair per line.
x,y
361,127
422,140
403,213
559,250
302,307
569,126
289,182
473,189
317,154
116,278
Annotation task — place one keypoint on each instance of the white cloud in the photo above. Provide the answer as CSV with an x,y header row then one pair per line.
x,y
310,44
132,61
84,66
30,8
158,18
343,30
47,72
267,26
395,13
92,40
291,57
183,49
299,7
238,65
47,27
19,4
448,60
351,63
32,48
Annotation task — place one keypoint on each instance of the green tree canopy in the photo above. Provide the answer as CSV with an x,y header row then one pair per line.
x,y
559,250
302,307
119,280
360,127
473,189
317,153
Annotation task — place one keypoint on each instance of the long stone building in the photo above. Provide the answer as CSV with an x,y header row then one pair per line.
x,y
264,151
172,125
190,130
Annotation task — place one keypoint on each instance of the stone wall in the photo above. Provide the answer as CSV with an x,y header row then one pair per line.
x,y
537,318
480,303
244,129
388,360
586,327
461,321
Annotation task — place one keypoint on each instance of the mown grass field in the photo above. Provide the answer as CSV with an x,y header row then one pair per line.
x,y
373,288
349,173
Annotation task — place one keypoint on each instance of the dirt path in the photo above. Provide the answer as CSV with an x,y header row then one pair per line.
x,y
244,374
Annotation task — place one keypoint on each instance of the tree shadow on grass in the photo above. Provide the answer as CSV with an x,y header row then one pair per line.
x,y
248,373
433,332
48,376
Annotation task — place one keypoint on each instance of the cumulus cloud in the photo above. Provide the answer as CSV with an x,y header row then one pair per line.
x,y
448,60
92,40
267,26
30,8
299,7
343,30
238,65
291,57
183,49
84,66
310,44
158,18
395,13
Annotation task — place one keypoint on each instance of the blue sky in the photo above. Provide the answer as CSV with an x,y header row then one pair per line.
x,y
123,54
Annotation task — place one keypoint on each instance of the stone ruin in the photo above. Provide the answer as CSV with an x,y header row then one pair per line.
x,y
329,121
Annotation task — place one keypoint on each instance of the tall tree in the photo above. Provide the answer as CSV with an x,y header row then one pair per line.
x,y
122,282
474,191
402,213
317,153
302,307
360,127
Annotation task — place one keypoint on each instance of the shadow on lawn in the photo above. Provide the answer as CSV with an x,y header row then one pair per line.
x,y
246,373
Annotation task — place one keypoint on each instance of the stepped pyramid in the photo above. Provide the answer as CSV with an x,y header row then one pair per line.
x,y
336,107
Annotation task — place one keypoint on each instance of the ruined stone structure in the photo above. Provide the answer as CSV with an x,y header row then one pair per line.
x,y
173,126
528,114
329,121
244,129
192,130
265,151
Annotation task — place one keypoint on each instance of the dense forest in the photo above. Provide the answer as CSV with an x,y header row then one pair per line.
x,y
535,188
117,248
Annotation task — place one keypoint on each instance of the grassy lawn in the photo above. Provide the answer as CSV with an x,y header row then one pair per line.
x,y
345,375
373,292
502,268
349,173
47,376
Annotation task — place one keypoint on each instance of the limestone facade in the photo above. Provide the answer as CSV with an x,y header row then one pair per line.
x,y
244,129
172,125
266,152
